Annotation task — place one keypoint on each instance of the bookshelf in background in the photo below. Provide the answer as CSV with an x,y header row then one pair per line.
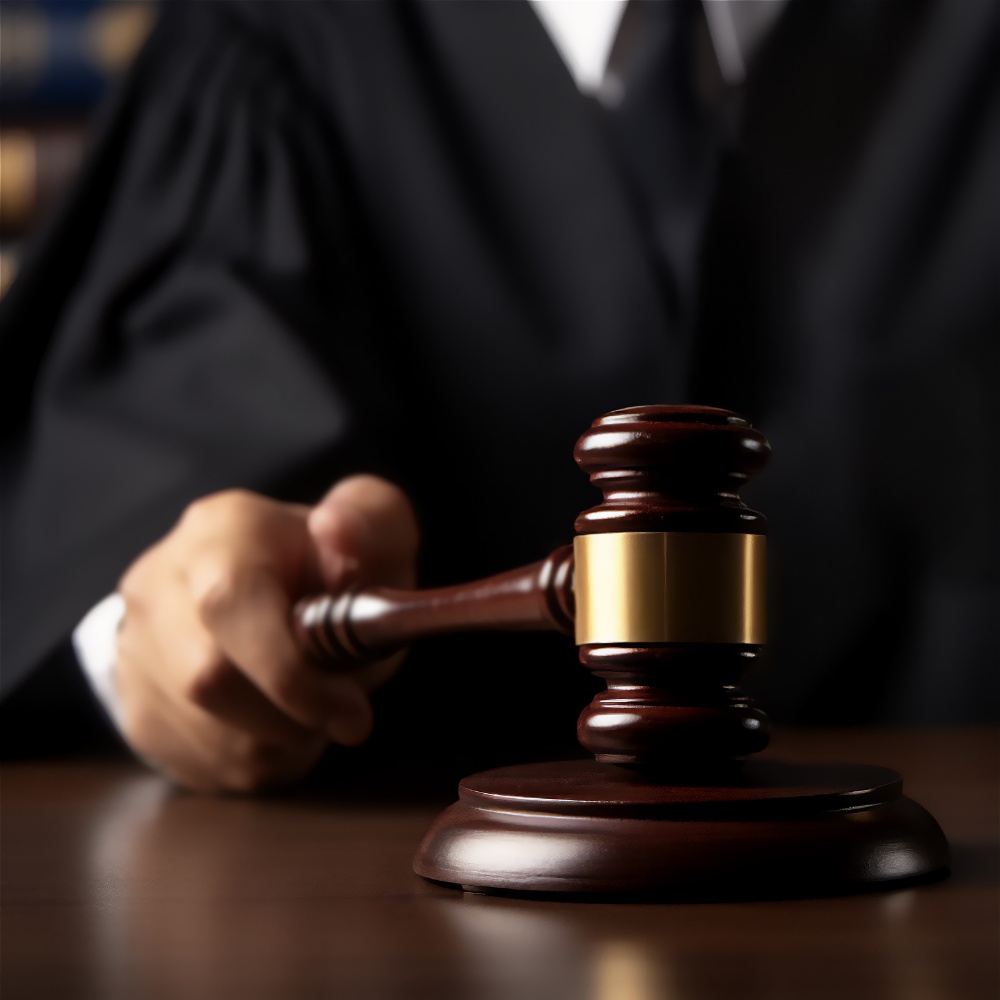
x,y
57,59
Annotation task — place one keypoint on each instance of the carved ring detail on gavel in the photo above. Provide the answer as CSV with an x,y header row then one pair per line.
x,y
364,625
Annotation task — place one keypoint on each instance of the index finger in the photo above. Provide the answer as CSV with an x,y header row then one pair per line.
x,y
248,611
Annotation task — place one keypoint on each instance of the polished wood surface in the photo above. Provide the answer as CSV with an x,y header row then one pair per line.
x,y
115,886
767,830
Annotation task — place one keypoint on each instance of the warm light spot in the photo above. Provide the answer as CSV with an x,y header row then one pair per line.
x,y
624,970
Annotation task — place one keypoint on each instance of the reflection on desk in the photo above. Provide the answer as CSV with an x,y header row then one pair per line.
x,y
117,886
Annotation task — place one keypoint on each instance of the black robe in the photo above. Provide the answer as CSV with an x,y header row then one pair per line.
x,y
318,238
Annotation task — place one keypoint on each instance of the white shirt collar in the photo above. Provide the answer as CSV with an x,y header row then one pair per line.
x,y
583,32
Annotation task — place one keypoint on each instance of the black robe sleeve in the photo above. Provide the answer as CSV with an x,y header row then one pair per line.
x,y
160,344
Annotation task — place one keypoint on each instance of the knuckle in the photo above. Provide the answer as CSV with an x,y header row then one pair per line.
x,y
199,513
254,766
208,679
285,683
135,583
132,594
215,588
242,781
258,766
207,512
258,757
139,730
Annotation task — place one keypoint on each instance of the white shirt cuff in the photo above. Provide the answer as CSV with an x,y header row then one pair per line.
x,y
95,641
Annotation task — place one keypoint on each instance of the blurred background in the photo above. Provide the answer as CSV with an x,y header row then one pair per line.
x,y
860,197
58,59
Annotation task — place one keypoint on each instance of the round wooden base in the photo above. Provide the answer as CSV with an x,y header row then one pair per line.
x,y
770,829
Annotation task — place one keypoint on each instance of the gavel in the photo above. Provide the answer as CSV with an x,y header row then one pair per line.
x,y
663,588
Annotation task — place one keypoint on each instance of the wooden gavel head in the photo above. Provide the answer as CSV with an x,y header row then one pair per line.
x,y
669,587
664,588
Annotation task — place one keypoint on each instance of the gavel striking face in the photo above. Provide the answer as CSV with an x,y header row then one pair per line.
x,y
663,589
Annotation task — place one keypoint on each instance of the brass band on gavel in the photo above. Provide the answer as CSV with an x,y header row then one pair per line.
x,y
670,586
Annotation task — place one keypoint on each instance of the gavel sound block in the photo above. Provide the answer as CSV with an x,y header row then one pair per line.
x,y
664,589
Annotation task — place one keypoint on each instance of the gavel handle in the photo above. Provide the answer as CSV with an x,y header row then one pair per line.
x,y
361,626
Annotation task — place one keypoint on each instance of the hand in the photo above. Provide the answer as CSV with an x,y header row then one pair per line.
x,y
215,691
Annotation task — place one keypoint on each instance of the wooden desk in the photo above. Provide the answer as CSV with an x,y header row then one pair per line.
x,y
117,887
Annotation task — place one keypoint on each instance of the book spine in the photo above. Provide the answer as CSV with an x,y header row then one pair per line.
x,y
60,56
37,164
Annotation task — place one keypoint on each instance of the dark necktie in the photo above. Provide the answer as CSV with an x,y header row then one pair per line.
x,y
665,137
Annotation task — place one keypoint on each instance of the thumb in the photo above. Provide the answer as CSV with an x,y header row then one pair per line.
x,y
365,532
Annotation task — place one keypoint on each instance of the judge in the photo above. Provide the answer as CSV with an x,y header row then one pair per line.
x,y
430,242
